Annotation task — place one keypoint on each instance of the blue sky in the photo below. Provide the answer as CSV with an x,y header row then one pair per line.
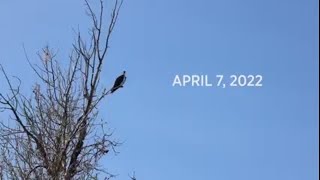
x,y
267,133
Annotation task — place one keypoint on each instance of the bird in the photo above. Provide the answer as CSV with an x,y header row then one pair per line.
x,y
119,82
46,55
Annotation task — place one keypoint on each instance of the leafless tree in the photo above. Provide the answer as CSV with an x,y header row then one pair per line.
x,y
56,133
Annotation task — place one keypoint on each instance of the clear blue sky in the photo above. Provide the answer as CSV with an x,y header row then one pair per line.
x,y
268,133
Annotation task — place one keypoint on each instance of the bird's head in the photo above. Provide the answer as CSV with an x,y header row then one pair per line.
x,y
124,72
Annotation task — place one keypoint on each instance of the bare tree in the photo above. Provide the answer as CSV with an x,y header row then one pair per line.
x,y
55,133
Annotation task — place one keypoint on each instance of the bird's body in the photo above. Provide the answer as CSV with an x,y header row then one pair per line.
x,y
119,82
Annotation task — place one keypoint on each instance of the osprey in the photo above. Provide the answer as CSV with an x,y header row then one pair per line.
x,y
119,82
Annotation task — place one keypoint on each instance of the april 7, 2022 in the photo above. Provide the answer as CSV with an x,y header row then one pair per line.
x,y
218,81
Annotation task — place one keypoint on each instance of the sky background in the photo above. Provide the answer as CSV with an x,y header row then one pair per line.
x,y
267,133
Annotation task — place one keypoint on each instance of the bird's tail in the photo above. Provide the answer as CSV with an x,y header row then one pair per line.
x,y
115,88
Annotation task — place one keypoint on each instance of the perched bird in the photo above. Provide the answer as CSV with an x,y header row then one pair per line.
x,y
119,82
46,55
